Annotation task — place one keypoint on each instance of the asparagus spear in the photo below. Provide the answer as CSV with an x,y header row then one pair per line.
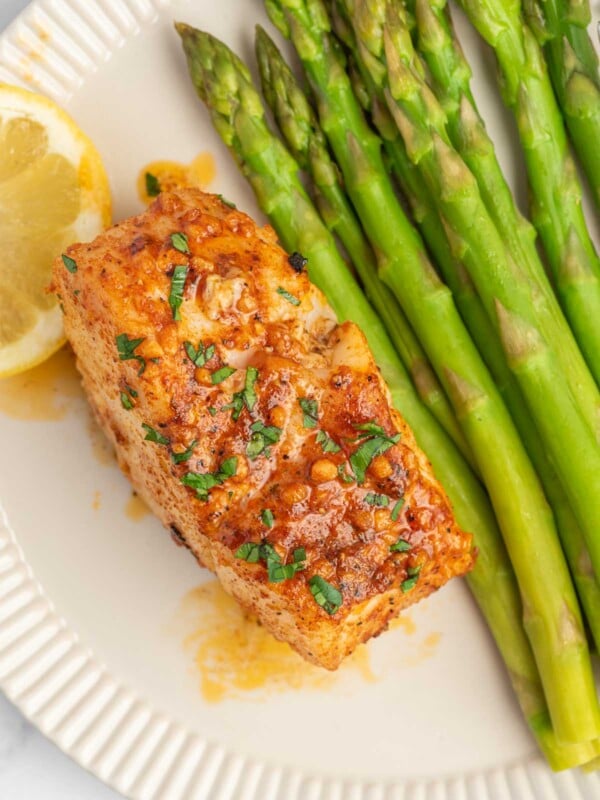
x,y
516,494
306,142
224,84
482,331
509,297
555,189
560,28
451,78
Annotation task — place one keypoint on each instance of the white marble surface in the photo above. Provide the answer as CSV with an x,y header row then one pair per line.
x,y
31,767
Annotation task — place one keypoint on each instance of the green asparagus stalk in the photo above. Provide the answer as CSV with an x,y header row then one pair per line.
x,y
451,79
300,128
483,333
520,505
561,29
555,189
507,293
224,84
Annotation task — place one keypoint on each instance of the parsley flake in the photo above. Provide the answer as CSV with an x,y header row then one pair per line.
x,y
201,355
203,482
126,348
327,443
397,508
213,411
152,185
373,442
379,500
401,546
327,596
289,297
177,285
277,572
345,477
247,397
126,401
179,458
226,202
311,412
220,375
153,435
69,263
249,551
127,397
262,437
411,581
180,242
267,517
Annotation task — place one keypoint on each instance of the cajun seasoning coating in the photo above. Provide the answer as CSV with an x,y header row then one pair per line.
x,y
257,386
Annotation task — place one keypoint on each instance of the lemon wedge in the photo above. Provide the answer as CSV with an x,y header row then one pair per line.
x,y
53,191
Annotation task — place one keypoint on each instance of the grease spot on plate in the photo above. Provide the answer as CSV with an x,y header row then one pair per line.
x,y
235,657
136,509
199,173
96,501
44,393
101,448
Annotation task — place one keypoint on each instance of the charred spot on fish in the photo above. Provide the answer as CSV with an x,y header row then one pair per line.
x,y
297,261
137,244
177,536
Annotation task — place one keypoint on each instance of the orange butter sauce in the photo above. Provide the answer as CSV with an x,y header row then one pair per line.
x,y
199,173
136,509
42,394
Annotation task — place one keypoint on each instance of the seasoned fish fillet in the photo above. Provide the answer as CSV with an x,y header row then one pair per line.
x,y
258,429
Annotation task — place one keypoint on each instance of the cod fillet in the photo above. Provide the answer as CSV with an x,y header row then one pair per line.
x,y
257,428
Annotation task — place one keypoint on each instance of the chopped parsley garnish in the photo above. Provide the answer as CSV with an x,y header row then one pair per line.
x,y
379,500
397,508
267,517
247,397
201,355
153,435
373,442
327,443
326,595
179,458
220,375
297,261
126,348
401,546
127,397
311,412
152,185
289,297
371,428
226,202
69,263
177,285
278,572
203,482
213,411
180,242
126,401
346,478
250,552
411,581
253,552
262,437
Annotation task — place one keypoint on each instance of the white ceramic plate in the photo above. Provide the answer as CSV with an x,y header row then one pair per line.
x,y
93,608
